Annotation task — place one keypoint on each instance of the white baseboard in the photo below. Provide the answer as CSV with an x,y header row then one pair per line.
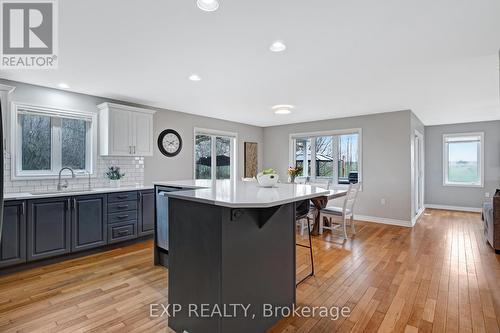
x,y
383,220
415,218
455,208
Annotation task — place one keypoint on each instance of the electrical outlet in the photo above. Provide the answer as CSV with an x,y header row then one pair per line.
x,y
487,194
382,201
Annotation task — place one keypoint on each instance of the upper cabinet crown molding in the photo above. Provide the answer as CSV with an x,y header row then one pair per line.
x,y
125,130
107,105
7,88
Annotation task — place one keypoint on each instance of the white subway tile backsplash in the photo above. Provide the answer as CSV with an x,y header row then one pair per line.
x,y
133,167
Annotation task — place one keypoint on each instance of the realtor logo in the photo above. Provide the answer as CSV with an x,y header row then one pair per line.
x,y
29,34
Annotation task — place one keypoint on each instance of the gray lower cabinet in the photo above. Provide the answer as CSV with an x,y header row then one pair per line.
x,y
44,228
13,242
123,231
89,222
49,228
146,214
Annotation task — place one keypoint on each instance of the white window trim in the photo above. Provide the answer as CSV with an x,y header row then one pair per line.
x,y
214,133
294,136
480,159
91,152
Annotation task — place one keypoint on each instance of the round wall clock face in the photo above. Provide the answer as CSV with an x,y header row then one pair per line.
x,y
169,142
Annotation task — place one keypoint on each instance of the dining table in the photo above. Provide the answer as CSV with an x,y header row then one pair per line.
x,y
320,203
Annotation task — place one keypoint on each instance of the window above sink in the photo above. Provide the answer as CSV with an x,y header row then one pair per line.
x,y
46,139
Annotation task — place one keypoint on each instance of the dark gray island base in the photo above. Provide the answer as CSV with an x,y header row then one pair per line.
x,y
230,252
220,257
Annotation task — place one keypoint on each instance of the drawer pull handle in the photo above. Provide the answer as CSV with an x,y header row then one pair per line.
x,y
122,216
123,233
122,206
122,196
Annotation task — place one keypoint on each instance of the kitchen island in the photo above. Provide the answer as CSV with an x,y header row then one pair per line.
x,y
232,254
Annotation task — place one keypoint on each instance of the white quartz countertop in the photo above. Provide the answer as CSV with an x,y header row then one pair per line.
x,y
187,183
239,194
40,195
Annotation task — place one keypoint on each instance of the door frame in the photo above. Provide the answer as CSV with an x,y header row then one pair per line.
x,y
418,175
233,149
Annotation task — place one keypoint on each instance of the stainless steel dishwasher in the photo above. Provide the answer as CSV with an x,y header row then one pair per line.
x,y
161,229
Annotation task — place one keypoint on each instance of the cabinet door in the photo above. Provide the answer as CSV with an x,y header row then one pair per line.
x,y
120,136
89,222
146,213
13,243
49,228
142,134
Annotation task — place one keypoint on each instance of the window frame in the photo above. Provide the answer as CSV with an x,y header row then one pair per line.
x,y
56,115
313,135
480,159
213,134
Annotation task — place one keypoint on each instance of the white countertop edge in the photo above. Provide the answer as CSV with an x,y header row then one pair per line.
x,y
34,195
188,184
182,195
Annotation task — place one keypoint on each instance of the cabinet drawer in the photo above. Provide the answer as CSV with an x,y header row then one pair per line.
x,y
122,196
122,206
121,232
122,216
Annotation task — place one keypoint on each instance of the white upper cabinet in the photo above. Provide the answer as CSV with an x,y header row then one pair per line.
x,y
125,130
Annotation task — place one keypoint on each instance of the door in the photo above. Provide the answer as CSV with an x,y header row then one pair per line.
x,y
419,174
120,126
142,134
214,156
49,228
89,222
146,213
13,242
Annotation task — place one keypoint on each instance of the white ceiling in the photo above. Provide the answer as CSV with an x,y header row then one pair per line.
x,y
344,58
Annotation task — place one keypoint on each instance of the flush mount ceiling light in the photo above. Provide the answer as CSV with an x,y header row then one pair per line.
x,y
208,5
278,46
195,77
63,85
282,109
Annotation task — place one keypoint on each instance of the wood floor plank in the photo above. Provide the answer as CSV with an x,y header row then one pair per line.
x,y
439,276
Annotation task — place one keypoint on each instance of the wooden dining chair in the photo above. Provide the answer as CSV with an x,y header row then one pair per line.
x,y
340,217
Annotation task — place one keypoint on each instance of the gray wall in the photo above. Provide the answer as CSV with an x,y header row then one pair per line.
x,y
386,159
435,192
158,167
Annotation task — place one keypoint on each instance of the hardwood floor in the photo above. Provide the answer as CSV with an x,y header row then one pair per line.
x,y
437,277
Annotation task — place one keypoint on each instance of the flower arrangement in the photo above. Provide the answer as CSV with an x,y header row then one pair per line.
x,y
293,172
114,173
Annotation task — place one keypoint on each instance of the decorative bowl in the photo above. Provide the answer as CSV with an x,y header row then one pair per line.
x,y
267,180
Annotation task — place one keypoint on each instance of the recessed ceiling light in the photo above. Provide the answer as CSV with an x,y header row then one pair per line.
x,y
278,46
63,85
195,77
282,109
208,5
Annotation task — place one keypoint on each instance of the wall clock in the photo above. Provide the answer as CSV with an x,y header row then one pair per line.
x,y
169,142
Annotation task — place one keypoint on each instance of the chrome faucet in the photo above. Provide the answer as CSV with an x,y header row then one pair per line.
x,y
60,186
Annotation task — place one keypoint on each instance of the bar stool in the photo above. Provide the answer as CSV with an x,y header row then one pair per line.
x,y
302,211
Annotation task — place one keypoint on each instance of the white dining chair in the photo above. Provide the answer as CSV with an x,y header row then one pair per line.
x,y
302,223
340,217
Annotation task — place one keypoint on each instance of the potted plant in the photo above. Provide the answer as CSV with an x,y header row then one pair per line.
x,y
293,172
114,176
